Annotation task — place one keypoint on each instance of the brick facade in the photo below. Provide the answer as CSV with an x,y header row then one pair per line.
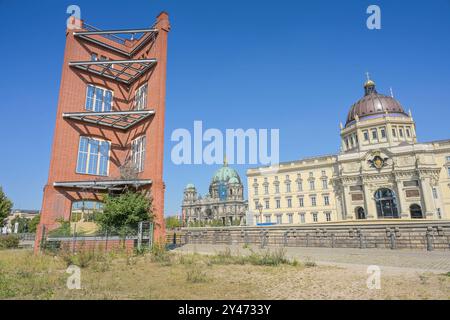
x,y
57,201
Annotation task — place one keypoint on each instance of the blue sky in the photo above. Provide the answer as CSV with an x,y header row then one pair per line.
x,y
292,65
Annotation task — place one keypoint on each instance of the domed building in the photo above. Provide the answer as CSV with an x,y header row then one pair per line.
x,y
224,202
381,172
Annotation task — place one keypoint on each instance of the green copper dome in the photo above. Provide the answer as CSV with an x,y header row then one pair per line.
x,y
233,180
190,186
226,174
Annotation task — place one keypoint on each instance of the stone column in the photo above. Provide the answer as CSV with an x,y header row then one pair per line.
x,y
403,207
369,202
349,214
428,206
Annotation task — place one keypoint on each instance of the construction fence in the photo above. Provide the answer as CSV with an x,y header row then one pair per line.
x,y
139,238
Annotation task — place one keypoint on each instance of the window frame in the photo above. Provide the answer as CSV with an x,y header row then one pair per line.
x,y
138,93
88,157
94,98
142,153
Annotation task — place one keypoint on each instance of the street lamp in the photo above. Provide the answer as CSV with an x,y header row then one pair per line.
x,y
259,207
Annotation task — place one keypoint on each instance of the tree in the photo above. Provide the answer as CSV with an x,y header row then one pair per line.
x,y
123,213
23,224
5,206
32,225
172,222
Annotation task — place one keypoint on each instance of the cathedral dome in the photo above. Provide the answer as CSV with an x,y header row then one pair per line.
x,y
189,186
374,104
226,174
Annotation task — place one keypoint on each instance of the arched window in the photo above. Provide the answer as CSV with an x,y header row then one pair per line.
x,y
360,214
386,203
416,211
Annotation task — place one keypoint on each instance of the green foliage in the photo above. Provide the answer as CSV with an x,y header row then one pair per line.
x,y
267,258
5,206
211,223
63,230
124,212
23,224
33,223
9,241
195,275
172,222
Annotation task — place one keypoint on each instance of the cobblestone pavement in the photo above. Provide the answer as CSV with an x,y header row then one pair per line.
x,y
389,260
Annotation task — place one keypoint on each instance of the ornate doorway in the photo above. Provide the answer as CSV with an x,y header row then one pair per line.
x,y
386,203
360,214
416,211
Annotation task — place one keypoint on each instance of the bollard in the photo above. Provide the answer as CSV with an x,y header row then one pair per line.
x,y
429,236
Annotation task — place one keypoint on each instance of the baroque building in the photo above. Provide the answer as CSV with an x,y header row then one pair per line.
x,y
224,202
381,172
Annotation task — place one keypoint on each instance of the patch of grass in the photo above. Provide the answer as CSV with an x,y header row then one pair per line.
x,y
267,258
196,275
309,263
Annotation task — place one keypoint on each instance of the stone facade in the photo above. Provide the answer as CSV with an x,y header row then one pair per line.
x,y
381,172
418,235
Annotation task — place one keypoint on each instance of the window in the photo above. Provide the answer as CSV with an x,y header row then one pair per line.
x,y
256,204
435,194
93,156
289,203
302,217
267,204
324,173
448,171
366,135
408,133
400,132
374,134
288,187
300,201
267,219
138,153
326,200
277,201
140,98
277,188
447,158
311,174
94,57
394,132
313,201
311,185
314,217
299,186
98,99
279,219
266,189
324,184
290,218
256,191
85,210
328,216
438,211
383,133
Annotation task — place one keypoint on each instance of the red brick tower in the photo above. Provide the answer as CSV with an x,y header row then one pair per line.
x,y
110,118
